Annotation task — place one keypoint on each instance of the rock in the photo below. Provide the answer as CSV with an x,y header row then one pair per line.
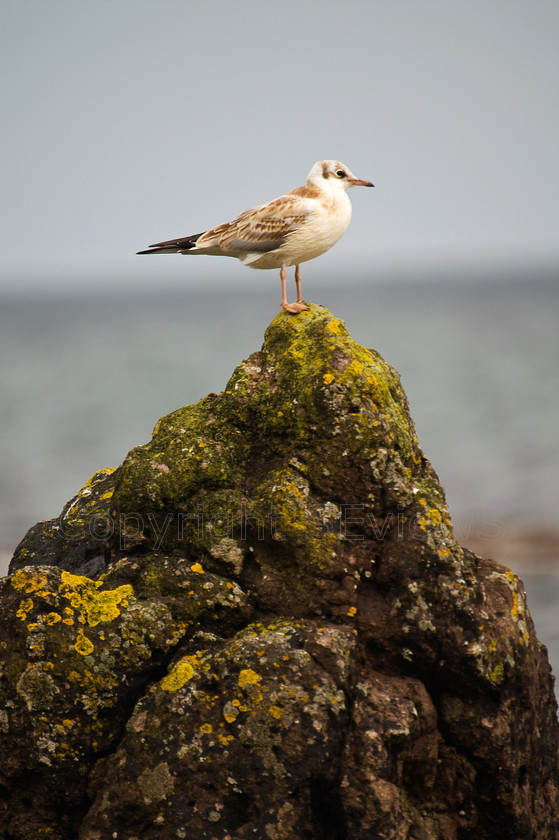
x,y
260,625
75,540
77,655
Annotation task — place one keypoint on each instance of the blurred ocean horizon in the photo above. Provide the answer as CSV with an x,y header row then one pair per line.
x,y
85,377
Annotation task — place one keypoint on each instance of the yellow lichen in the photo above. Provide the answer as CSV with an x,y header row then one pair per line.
x,y
25,607
207,728
83,644
100,474
248,677
328,378
196,567
352,611
514,610
291,487
19,579
31,580
105,606
355,368
275,711
180,674
52,618
333,326
497,674
93,606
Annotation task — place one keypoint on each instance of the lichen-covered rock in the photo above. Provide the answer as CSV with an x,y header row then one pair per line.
x,y
243,736
261,625
76,655
75,541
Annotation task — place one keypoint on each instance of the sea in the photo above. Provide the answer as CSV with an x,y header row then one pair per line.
x,y
86,374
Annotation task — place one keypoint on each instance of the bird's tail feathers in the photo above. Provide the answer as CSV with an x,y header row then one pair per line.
x,y
173,246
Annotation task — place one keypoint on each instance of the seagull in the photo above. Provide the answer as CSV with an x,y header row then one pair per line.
x,y
289,230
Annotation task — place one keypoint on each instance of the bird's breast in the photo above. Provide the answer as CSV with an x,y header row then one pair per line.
x,y
323,226
323,229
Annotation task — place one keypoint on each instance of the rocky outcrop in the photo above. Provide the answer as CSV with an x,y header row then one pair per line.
x,y
261,625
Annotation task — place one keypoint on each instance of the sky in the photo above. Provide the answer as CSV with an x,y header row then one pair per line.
x,y
131,121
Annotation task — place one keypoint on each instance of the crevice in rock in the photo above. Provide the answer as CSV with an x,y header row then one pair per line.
x,y
327,813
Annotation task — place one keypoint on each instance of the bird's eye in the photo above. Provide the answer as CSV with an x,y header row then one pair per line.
x,y
340,173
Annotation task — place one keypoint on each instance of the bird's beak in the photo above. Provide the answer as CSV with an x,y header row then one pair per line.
x,y
358,182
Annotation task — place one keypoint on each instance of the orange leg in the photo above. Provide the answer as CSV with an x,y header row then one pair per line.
x,y
298,283
292,308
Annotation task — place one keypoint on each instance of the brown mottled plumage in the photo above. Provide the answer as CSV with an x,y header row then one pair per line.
x,y
287,231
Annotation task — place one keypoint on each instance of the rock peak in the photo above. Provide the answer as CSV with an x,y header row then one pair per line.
x,y
270,589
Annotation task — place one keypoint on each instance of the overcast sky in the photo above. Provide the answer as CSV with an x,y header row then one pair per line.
x,y
130,121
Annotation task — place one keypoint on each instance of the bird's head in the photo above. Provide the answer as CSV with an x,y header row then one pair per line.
x,y
336,175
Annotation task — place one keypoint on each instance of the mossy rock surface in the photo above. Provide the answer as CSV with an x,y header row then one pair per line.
x,y
77,539
77,654
261,626
216,734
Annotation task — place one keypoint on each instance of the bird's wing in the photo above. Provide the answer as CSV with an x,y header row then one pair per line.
x,y
264,228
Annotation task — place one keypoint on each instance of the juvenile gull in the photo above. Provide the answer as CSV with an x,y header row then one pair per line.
x,y
287,231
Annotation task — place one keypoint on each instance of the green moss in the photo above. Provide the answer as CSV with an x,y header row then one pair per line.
x,y
320,369
223,469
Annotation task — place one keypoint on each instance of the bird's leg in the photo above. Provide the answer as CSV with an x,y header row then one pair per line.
x,y
302,306
298,282
292,308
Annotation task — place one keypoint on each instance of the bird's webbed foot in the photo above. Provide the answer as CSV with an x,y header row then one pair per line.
x,y
295,308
